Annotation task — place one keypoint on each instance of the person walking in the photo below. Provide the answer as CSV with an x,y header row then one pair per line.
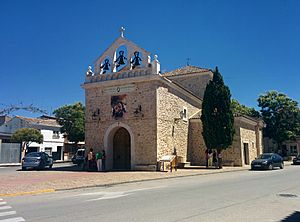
x,y
99,161
103,160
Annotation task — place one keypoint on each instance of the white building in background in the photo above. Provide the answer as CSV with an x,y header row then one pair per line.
x,y
53,140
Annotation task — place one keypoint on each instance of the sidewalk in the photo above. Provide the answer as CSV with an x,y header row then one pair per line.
x,y
33,182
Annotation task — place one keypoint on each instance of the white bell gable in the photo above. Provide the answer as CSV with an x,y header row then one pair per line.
x,y
122,59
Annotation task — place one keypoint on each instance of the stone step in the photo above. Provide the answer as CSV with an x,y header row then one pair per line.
x,y
184,164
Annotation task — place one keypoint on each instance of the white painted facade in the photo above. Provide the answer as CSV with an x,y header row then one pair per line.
x,y
53,140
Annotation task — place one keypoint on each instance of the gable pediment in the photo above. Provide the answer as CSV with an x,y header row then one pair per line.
x,y
111,53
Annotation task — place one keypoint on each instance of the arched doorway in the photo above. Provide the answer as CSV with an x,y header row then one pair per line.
x,y
121,150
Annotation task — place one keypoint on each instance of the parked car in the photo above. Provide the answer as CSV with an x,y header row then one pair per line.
x,y
267,161
79,156
37,160
296,160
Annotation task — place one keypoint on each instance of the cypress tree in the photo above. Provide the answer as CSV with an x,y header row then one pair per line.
x,y
217,116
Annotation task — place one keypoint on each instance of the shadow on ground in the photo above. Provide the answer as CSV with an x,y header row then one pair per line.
x,y
294,217
59,167
69,167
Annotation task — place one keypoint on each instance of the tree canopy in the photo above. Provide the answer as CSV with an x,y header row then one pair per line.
x,y
238,108
27,136
71,118
281,115
217,117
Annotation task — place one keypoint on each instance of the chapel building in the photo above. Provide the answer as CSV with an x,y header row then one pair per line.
x,y
138,114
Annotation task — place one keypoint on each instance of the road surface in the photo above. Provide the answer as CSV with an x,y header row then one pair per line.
x,y
234,196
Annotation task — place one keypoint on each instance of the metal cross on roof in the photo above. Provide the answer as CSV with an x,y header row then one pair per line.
x,y
188,60
122,30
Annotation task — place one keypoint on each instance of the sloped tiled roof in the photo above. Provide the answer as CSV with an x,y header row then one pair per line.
x,y
40,121
186,70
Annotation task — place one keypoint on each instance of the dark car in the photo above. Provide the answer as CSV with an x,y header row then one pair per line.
x,y
37,160
296,160
267,161
78,158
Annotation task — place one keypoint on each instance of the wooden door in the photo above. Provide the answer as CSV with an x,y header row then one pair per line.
x,y
121,150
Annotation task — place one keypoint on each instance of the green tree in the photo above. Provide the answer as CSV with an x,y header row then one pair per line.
x,y
217,117
71,118
281,116
238,108
26,136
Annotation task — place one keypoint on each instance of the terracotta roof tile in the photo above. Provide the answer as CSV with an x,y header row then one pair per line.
x,y
186,70
39,121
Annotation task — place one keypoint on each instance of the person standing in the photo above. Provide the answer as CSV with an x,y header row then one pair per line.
x,y
220,159
90,159
215,159
210,157
103,160
206,158
99,161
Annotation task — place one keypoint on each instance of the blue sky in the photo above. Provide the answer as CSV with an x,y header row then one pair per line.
x,y
46,46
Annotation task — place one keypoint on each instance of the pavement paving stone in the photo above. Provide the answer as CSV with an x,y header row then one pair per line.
x,y
27,181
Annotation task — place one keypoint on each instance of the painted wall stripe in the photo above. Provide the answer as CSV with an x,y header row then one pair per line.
x,y
7,213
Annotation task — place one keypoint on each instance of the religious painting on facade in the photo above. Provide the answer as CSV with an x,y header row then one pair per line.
x,y
118,105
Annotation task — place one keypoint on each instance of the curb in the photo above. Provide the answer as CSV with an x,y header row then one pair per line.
x,y
28,192
51,190
142,180
117,183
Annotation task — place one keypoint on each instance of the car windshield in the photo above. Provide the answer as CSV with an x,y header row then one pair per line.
x,y
265,156
33,154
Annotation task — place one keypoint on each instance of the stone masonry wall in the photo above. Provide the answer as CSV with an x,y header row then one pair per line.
x,y
143,125
233,155
197,147
196,144
196,83
172,131
248,136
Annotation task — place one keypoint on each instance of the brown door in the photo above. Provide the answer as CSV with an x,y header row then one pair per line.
x,y
122,155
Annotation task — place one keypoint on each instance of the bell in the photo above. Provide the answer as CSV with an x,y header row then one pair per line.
x,y
136,60
120,59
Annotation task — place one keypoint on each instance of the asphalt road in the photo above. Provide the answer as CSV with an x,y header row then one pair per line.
x,y
235,196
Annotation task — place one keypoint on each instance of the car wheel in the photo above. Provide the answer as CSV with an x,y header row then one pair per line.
x,y
281,166
271,166
23,168
41,166
50,166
